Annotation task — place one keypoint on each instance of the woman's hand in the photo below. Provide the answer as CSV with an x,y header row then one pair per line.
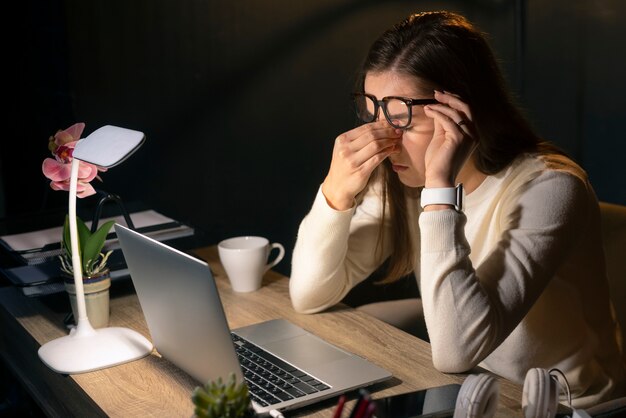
x,y
355,156
453,140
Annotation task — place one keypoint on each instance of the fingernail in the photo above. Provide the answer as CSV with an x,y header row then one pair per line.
x,y
438,92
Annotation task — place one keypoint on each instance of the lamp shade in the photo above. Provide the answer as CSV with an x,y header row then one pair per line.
x,y
108,146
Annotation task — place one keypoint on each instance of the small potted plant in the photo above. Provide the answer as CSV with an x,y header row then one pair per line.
x,y
224,400
96,279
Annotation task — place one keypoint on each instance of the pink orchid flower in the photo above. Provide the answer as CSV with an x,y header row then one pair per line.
x,y
58,169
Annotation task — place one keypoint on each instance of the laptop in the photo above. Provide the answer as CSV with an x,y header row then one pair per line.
x,y
284,366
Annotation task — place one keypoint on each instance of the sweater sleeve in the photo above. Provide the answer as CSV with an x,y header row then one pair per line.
x,y
470,310
334,251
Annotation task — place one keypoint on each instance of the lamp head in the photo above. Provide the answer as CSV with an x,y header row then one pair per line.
x,y
108,146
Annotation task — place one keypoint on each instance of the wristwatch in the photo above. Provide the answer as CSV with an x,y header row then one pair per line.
x,y
443,196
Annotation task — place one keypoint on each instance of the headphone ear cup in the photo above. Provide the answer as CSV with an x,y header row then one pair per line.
x,y
478,397
540,395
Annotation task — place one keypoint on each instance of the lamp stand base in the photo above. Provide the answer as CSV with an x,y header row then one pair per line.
x,y
86,349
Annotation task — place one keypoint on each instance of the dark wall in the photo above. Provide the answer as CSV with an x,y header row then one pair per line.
x,y
575,87
241,101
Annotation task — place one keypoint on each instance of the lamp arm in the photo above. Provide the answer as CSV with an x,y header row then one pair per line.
x,y
76,264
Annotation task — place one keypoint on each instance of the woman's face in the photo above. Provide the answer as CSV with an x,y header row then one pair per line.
x,y
409,163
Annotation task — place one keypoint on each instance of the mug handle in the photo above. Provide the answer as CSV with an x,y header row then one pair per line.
x,y
281,254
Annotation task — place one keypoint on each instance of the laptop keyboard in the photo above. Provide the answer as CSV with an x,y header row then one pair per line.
x,y
271,380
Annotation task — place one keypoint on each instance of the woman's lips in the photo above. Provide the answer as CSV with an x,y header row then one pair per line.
x,y
398,168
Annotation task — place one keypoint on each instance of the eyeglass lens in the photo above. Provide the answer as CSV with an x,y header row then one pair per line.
x,y
395,110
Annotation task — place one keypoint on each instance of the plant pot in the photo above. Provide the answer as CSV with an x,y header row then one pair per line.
x,y
96,289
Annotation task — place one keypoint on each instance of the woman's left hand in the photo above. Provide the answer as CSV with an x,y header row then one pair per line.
x,y
453,140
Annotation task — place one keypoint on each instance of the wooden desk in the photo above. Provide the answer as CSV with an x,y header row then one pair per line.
x,y
154,387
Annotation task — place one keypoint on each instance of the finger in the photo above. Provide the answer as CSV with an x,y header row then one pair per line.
x,y
373,149
448,124
361,143
359,137
438,129
378,129
375,160
371,141
455,102
452,94
454,115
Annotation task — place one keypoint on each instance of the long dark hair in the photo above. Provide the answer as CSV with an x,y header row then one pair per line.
x,y
446,52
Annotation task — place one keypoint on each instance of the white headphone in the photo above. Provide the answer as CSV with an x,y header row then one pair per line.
x,y
478,396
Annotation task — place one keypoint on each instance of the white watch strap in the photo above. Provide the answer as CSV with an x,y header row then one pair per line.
x,y
443,196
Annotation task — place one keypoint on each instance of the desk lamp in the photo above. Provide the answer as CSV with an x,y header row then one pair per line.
x,y
85,348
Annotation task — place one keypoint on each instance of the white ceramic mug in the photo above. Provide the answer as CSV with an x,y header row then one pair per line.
x,y
245,260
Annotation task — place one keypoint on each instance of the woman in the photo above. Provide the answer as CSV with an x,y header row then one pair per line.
x,y
512,279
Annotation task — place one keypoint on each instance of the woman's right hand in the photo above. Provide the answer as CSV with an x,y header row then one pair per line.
x,y
355,156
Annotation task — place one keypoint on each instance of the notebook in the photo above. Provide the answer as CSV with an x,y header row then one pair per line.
x,y
284,366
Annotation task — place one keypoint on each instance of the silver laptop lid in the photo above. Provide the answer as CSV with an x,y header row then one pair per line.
x,y
167,282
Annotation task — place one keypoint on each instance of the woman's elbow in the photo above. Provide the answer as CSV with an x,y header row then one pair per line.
x,y
302,301
452,361
307,310
300,305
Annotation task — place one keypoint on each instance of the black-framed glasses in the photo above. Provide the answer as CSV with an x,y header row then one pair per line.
x,y
397,110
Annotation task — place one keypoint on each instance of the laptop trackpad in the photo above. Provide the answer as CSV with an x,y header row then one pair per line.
x,y
305,351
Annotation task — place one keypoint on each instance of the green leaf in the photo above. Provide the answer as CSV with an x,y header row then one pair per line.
x,y
94,243
201,412
65,240
200,398
83,237
89,245
83,234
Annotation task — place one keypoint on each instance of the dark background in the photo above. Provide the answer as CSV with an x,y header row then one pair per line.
x,y
241,100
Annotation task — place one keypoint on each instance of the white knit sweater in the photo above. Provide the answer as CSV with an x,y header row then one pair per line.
x,y
515,281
